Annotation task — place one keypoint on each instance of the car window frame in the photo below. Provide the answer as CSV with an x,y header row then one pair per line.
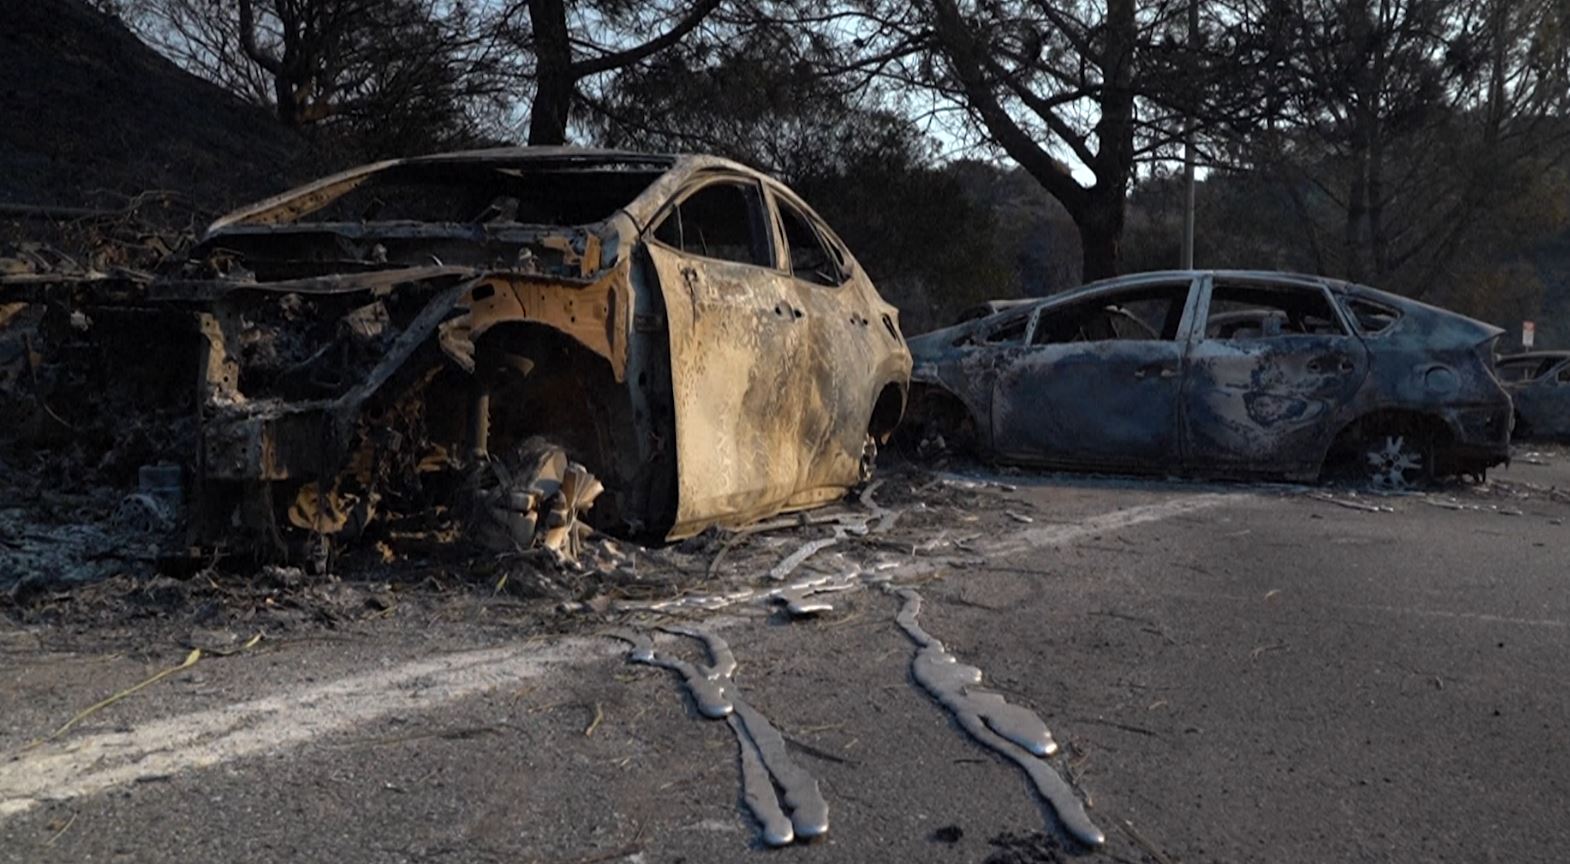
x,y
838,253
695,186
1185,321
1345,298
998,321
1202,318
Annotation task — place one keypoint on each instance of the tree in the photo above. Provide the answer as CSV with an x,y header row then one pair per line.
x,y
752,90
1079,94
1404,129
561,60
396,76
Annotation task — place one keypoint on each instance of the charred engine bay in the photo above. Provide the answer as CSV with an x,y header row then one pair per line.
x,y
279,407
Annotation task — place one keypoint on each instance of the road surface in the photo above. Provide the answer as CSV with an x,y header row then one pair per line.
x,y
1234,674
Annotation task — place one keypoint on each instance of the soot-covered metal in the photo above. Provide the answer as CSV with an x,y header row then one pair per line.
x,y
1219,373
492,338
1539,383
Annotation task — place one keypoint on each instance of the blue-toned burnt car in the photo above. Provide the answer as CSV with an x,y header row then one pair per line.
x,y
1219,373
1539,382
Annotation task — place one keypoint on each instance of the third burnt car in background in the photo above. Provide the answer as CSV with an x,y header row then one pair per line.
x,y
1220,373
1539,382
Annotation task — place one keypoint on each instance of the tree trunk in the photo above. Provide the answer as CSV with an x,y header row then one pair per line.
x,y
1100,224
553,80
1101,212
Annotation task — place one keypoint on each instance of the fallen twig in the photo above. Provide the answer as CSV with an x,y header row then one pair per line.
x,y
1353,505
63,829
1145,844
190,660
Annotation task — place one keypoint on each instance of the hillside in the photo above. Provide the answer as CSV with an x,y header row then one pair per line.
x,y
94,116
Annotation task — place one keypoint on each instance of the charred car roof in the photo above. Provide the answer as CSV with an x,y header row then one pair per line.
x,y
995,308
662,170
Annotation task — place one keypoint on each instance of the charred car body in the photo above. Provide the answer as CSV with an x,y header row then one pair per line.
x,y
1539,383
1219,374
685,327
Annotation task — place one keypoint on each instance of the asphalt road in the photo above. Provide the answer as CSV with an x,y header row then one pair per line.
x,y
1234,674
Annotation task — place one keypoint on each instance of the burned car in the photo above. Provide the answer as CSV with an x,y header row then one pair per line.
x,y
400,338
1219,374
1539,383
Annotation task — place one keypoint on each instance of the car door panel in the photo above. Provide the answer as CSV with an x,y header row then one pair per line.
x,y
1544,404
840,356
1268,404
737,337
1094,405
1109,404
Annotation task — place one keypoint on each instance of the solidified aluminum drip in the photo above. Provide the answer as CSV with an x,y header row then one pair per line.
x,y
879,518
805,597
807,550
800,598
1013,731
764,762
880,514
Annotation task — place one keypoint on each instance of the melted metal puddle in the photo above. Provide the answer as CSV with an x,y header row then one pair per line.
x,y
765,766
1011,730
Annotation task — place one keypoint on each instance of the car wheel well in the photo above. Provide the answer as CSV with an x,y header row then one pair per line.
x,y
1432,428
931,412
886,412
543,383
1429,433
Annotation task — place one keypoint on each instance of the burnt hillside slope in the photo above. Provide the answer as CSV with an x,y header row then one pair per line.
x,y
92,116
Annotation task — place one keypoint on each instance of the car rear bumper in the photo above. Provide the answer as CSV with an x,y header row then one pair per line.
x,y
1480,437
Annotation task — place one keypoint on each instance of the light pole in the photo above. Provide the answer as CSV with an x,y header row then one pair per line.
x,y
1188,146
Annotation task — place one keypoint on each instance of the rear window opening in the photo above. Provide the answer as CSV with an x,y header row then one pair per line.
x,y
487,194
1372,318
1245,312
723,221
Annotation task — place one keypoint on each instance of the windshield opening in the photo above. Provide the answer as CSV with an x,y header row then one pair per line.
x,y
488,194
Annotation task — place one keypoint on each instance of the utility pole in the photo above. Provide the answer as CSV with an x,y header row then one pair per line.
x,y
1188,143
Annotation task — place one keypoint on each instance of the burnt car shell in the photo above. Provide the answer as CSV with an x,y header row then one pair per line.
x,y
1356,365
369,332
1539,383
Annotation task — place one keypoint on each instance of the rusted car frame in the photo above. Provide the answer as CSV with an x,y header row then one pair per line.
x,y
1539,384
1220,373
361,341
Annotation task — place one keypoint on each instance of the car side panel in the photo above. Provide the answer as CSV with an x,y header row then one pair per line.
x,y
736,346
851,354
1111,404
1544,405
1268,404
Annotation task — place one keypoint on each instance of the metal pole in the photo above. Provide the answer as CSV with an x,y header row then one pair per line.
x,y
1188,150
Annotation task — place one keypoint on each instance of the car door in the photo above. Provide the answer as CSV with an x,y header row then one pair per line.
x,y
837,373
737,337
1267,397
1098,384
1543,403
